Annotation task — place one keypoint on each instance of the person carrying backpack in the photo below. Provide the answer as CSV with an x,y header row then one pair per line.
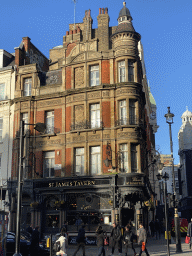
x,y
128,240
62,240
116,238
81,240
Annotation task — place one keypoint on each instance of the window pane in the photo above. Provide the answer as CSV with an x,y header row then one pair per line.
x,y
79,161
95,160
2,91
49,164
49,122
124,157
130,71
133,157
132,112
121,68
27,87
94,75
95,115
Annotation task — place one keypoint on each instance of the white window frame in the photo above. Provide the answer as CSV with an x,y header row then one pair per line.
x,y
123,112
0,162
27,84
2,91
48,164
95,160
1,129
134,157
123,149
131,71
49,121
94,75
79,161
95,115
121,71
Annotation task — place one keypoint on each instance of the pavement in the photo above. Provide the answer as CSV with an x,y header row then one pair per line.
x,y
154,247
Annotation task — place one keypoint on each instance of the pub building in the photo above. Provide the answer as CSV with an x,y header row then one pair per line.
x,y
90,165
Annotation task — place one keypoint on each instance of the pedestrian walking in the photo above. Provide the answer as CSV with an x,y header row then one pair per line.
x,y
152,227
116,238
128,240
142,239
63,240
100,241
189,233
30,229
34,247
157,229
80,240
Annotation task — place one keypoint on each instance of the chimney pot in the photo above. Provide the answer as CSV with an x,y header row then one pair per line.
x,y
99,10
67,33
106,10
70,32
102,10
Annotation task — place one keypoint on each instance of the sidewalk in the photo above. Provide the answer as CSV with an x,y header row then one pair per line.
x,y
154,247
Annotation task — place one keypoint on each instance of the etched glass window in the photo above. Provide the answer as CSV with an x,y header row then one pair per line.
x,y
94,75
121,71
27,87
79,161
132,111
49,164
95,160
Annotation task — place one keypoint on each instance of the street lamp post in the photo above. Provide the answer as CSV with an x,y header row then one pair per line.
x,y
40,127
169,119
165,177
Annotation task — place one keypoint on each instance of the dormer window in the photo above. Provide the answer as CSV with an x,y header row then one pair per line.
x,y
2,91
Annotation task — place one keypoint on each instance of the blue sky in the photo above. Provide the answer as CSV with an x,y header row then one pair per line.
x,y
166,32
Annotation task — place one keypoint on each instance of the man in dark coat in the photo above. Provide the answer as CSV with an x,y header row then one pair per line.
x,y
116,238
152,228
142,237
189,233
128,239
81,240
100,241
35,242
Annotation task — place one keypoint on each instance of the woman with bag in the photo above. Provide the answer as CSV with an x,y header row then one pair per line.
x,y
62,239
128,240
189,234
142,239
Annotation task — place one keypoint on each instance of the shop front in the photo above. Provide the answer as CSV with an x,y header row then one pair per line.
x,y
84,200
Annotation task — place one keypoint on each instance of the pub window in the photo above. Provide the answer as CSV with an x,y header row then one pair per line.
x,y
79,161
123,157
49,121
1,129
49,164
27,87
121,71
130,71
2,91
134,158
132,111
95,115
94,75
123,112
95,160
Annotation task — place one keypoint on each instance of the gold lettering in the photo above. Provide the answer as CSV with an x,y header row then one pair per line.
x,y
56,185
89,183
93,182
75,182
63,184
50,185
70,184
59,184
85,183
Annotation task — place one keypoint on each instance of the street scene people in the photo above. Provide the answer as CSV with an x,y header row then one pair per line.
x,y
63,240
142,238
116,238
80,240
157,229
152,228
100,240
128,239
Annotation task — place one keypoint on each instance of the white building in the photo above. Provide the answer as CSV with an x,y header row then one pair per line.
x,y
7,87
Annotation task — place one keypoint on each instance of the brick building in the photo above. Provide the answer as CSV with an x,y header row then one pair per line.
x,y
91,164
